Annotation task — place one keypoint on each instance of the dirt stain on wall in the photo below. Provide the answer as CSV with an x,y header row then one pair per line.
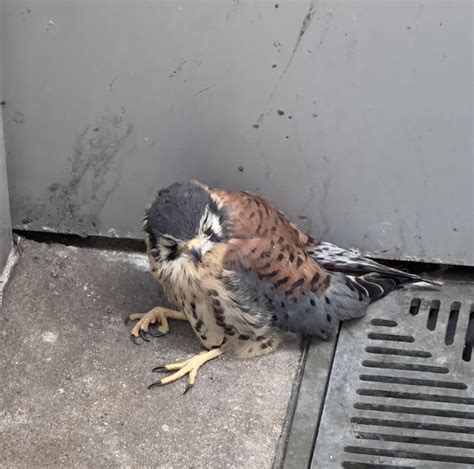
x,y
73,205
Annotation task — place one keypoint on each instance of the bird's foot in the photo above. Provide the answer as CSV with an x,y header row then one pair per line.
x,y
158,314
188,367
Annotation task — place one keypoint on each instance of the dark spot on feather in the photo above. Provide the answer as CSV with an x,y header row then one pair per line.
x,y
299,261
326,281
199,325
273,229
252,214
281,281
203,337
212,292
292,257
244,337
315,280
272,274
216,302
312,302
280,257
328,317
260,337
327,300
298,283
229,332
254,250
263,346
283,305
281,240
295,285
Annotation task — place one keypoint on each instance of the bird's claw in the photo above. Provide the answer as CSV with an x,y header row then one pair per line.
x,y
143,335
160,369
155,383
136,340
152,324
187,367
187,388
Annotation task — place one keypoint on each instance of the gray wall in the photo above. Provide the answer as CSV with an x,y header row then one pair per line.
x,y
5,226
355,117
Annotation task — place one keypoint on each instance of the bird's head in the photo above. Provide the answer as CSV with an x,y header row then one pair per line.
x,y
184,222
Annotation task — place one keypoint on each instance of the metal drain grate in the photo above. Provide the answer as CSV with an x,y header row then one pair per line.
x,y
401,392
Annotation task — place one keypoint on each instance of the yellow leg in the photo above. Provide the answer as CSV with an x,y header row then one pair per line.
x,y
156,314
190,367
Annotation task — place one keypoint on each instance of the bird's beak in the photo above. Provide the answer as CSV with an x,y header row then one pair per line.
x,y
193,247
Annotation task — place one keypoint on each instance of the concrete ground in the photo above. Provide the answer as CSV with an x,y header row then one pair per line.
x,y
74,387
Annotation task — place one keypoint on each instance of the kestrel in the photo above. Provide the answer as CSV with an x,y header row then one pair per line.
x,y
242,274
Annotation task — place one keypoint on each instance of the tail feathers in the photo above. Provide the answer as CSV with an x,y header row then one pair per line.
x,y
334,258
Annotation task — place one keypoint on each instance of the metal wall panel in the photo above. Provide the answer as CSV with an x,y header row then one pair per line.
x,y
355,117
5,225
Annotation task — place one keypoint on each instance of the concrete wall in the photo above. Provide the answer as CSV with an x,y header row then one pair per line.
x,y
355,117
5,225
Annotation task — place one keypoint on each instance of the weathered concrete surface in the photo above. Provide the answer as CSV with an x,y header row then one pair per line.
x,y
73,386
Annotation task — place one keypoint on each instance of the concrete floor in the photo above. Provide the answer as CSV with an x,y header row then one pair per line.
x,y
74,387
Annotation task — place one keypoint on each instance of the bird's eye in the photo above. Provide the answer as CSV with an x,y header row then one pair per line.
x,y
170,248
169,242
211,235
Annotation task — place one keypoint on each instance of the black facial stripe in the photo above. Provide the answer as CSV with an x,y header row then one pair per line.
x,y
172,254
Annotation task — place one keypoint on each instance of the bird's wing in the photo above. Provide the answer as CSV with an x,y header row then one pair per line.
x,y
251,216
273,261
301,296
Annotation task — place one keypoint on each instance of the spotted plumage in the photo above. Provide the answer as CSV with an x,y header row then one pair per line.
x,y
242,273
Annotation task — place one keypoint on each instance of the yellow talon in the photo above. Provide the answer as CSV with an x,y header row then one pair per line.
x,y
156,314
188,367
